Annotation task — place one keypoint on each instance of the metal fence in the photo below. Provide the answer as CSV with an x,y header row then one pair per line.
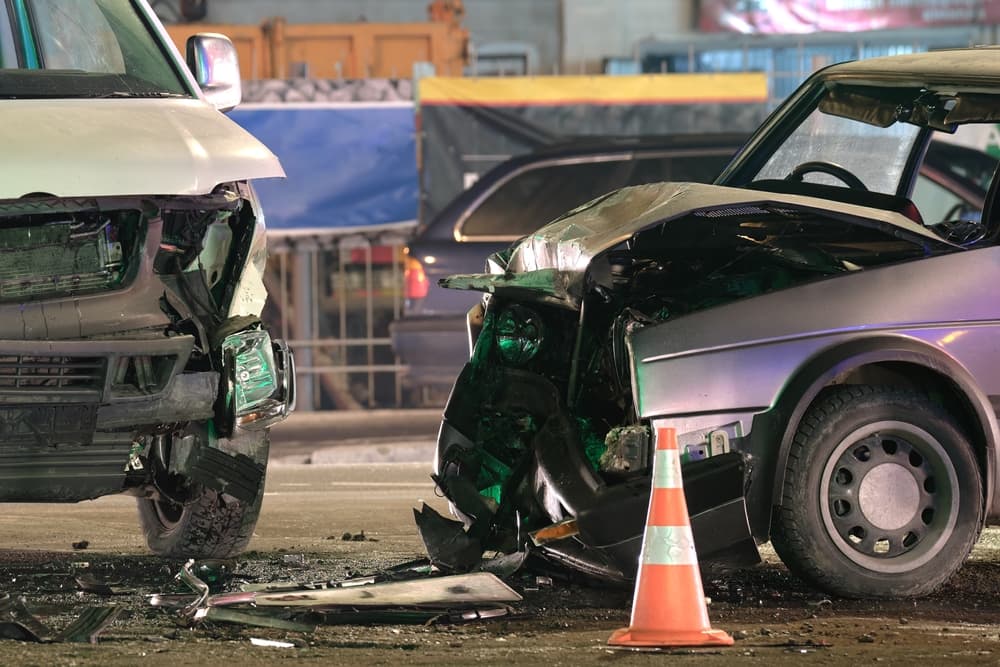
x,y
332,296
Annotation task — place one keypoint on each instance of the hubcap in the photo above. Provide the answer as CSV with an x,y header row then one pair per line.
x,y
889,496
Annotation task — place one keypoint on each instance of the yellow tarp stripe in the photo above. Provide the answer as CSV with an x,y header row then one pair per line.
x,y
639,89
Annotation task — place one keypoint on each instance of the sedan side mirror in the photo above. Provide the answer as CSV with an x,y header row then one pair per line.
x,y
212,59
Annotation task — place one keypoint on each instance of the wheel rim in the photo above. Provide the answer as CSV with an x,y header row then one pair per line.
x,y
889,496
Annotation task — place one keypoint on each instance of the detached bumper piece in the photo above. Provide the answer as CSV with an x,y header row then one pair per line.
x,y
260,377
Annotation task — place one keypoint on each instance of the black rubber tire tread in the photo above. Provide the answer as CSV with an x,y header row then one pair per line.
x,y
797,533
212,525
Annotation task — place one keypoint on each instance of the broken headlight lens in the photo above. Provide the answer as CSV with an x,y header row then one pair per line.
x,y
520,333
260,378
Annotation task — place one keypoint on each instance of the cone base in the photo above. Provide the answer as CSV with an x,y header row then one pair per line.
x,y
668,638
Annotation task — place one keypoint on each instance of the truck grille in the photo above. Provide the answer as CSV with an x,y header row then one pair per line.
x,y
51,373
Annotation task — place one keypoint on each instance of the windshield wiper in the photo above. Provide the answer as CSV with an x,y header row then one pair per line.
x,y
142,94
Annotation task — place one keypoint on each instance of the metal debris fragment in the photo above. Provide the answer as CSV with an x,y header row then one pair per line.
x,y
448,545
89,583
252,618
408,593
408,616
195,584
279,586
459,589
503,565
270,643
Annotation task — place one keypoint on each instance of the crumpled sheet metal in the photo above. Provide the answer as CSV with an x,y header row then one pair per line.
x,y
16,622
448,545
449,591
364,600
566,246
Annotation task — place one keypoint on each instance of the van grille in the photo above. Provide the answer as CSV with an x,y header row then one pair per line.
x,y
35,372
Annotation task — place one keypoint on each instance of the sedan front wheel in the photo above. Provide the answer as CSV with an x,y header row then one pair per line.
x,y
882,494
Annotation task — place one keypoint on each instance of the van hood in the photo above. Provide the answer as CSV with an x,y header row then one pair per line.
x,y
551,263
117,147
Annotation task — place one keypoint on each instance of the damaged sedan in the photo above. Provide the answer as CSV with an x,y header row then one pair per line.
x,y
132,355
819,327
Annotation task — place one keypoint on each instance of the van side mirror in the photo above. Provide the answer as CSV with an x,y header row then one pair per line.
x,y
213,61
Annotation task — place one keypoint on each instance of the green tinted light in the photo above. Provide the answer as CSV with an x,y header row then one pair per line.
x,y
520,334
254,381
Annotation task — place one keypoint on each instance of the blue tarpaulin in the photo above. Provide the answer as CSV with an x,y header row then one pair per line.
x,y
347,165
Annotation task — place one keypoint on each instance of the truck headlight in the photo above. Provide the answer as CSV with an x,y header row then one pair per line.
x,y
260,379
520,333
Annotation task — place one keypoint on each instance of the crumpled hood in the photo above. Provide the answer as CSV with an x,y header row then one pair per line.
x,y
110,147
552,261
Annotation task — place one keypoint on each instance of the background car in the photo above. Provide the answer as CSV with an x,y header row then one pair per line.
x,y
510,201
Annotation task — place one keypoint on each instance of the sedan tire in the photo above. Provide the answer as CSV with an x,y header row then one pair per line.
x,y
882,494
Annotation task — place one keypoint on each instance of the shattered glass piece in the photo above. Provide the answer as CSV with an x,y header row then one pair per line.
x,y
17,622
213,571
91,623
448,545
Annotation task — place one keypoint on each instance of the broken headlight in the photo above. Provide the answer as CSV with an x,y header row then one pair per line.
x,y
260,379
520,333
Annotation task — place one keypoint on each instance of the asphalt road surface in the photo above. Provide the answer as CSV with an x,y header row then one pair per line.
x,y
307,510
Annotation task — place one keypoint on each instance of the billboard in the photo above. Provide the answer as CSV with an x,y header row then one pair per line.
x,y
780,17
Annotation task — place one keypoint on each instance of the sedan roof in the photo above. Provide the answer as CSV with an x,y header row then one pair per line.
x,y
975,68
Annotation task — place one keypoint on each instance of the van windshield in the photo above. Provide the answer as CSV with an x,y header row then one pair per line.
x,y
84,48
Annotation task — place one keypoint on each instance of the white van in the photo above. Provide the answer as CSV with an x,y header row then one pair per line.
x,y
132,248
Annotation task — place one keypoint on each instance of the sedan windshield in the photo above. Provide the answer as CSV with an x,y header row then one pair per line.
x,y
829,149
84,48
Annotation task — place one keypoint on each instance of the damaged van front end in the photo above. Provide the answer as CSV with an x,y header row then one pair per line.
x,y
133,359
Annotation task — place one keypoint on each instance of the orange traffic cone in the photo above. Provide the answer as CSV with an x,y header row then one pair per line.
x,y
669,604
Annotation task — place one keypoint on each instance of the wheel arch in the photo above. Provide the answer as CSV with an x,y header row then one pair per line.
x,y
898,361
